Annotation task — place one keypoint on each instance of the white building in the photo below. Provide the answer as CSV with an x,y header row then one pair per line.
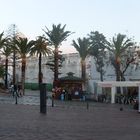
x,y
72,64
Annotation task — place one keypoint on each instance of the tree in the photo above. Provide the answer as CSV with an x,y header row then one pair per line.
x,y
50,61
118,47
3,40
97,50
23,47
55,37
82,46
40,49
6,51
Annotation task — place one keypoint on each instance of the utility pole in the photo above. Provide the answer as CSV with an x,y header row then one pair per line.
x,y
12,31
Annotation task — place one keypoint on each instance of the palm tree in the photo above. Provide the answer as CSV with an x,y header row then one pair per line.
x,y
6,51
40,49
56,36
118,47
23,47
3,41
82,47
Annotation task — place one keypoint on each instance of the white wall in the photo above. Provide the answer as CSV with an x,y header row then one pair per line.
x,y
72,64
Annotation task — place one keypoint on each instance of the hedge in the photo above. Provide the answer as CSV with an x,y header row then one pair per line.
x,y
34,86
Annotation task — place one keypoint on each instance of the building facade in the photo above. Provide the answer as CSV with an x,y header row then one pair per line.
x,y
72,64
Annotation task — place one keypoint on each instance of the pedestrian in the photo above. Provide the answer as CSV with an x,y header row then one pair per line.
x,y
15,91
12,89
19,90
62,95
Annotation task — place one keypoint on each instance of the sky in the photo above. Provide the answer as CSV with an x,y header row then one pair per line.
x,y
109,17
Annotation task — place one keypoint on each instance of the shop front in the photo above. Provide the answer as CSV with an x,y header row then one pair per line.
x,y
71,86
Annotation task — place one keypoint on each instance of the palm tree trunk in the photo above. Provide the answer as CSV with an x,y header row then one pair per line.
x,y
117,63
14,67
118,72
40,70
101,75
118,76
23,74
55,66
83,68
6,73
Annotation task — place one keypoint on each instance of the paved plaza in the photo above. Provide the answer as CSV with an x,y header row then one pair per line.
x,y
69,120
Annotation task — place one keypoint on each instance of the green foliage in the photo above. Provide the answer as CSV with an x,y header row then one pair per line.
x,y
57,35
3,40
40,46
97,40
23,46
119,44
121,54
82,46
50,61
40,49
34,86
97,50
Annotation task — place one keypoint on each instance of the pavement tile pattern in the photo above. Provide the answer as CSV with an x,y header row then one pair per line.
x,y
68,120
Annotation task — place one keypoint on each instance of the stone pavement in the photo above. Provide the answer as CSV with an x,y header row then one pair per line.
x,y
69,121
31,97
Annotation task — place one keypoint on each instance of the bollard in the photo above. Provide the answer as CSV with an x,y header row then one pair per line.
x,y
16,99
52,102
43,98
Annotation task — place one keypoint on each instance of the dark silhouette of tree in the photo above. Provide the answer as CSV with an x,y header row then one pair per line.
x,y
40,49
23,48
5,51
97,50
120,54
55,37
82,46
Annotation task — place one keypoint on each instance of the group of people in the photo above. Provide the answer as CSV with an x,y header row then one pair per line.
x,y
15,90
67,94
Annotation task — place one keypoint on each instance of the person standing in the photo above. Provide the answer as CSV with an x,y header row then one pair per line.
x,y
19,90
15,91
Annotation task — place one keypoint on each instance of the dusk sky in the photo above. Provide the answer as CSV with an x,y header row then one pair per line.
x,y
80,16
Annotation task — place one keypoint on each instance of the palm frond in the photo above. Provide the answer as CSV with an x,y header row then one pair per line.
x,y
82,46
57,35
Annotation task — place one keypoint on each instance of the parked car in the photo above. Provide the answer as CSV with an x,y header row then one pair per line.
x,y
136,103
